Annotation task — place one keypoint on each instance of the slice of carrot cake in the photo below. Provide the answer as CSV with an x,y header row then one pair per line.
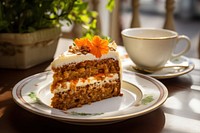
x,y
89,71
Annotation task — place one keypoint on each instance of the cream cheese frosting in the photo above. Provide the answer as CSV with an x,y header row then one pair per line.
x,y
68,57
90,80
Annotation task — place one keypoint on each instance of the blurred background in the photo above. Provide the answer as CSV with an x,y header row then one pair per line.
x,y
152,14
184,9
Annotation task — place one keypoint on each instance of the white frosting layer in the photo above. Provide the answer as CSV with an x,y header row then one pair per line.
x,y
68,57
90,80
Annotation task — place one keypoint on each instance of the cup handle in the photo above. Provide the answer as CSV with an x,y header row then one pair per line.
x,y
182,37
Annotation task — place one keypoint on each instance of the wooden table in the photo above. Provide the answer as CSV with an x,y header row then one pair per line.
x,y
180,113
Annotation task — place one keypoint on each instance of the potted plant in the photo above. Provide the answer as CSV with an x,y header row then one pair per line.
x,y
30,29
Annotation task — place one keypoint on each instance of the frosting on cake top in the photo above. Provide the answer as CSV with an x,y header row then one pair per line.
x,y
85,49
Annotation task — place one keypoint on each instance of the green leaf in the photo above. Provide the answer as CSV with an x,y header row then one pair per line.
x,y
84,114
94,14
147,100
110,5
85,18
33,96
94,24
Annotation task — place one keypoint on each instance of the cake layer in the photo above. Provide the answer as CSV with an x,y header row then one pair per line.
x,y
85,95
64,86
85,69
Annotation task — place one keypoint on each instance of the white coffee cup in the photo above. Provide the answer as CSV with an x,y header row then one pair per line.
x,y
151,48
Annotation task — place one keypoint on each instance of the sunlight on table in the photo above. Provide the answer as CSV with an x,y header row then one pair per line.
x,y
180,124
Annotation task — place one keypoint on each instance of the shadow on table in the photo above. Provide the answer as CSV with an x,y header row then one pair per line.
x,y
177,84
23,121
183,99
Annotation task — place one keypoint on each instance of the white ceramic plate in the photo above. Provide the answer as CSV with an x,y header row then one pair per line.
x,y
166,72
141,94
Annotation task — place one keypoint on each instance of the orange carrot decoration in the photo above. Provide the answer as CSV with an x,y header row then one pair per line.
x,y
97,46
100,46
83,42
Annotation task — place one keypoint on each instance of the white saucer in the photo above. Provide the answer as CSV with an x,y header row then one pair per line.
x,y
166,72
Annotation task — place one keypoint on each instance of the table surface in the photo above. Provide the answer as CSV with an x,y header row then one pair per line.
x,y
180,113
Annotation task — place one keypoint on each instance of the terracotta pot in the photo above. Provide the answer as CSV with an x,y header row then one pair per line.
x,y
28,49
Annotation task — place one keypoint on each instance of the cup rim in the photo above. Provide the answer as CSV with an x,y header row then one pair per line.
x,y
175,34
